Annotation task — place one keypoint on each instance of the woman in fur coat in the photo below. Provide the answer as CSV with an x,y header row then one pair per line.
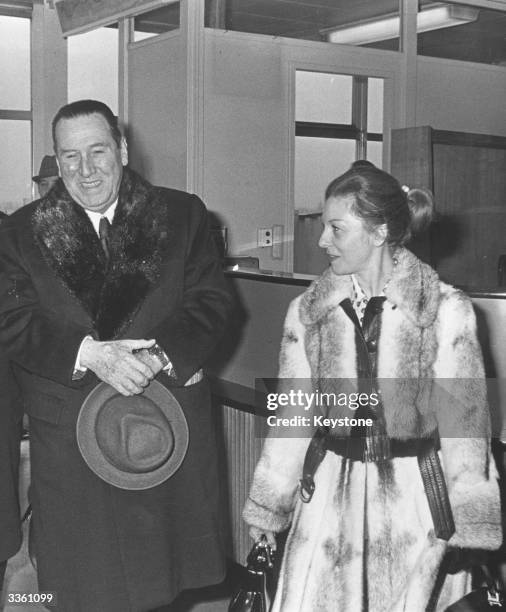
x,y
381,322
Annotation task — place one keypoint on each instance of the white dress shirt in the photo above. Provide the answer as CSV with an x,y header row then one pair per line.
x,y
94,217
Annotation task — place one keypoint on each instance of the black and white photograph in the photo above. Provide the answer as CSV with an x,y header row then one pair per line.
x,y
252,305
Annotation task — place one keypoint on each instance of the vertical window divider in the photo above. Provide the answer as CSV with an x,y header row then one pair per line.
x,y
359,115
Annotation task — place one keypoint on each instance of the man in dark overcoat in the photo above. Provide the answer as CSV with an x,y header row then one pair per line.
x,y
10,435
74,312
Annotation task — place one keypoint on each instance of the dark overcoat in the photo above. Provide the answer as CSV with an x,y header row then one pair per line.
x,y
10,433
100,548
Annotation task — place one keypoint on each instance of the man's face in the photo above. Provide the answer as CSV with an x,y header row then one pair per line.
x,y
45,184
90,161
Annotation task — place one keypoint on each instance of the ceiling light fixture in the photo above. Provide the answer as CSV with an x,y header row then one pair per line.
x,y
384,27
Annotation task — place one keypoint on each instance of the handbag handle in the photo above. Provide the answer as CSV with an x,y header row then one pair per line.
x,y
261,556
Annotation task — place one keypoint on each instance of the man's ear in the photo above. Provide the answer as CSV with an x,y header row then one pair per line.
x,y
124,151
380,234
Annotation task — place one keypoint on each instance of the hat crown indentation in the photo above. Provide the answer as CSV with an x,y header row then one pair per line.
x,y
135,441
146,444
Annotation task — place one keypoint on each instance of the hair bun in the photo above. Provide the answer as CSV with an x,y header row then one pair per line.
x,y
421,208
362,163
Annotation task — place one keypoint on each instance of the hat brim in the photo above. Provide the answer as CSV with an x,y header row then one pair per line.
x,y
93,455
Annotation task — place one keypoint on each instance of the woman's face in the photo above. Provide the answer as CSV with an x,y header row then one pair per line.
x,y
349,244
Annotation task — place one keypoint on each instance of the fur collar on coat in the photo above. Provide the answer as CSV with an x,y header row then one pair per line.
x,y
430,371
139,242
414,288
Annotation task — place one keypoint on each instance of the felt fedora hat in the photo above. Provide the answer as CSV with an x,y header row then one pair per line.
x,y
48,167
134,442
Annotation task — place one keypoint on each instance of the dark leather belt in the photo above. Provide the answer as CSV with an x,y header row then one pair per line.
x,y
354,448
359,448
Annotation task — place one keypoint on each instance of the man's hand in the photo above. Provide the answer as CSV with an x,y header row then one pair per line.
x,y
115,363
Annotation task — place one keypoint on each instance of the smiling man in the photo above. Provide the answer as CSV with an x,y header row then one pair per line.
x,y
91,155
108,278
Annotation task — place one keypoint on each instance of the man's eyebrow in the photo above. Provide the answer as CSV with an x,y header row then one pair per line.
x,y
95,144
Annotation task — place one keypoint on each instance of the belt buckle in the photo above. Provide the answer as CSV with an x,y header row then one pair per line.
x,y
307,487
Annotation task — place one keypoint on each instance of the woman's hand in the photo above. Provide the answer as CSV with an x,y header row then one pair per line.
x,y
257,534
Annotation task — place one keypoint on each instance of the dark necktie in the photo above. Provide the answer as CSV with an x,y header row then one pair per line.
x,y
103,232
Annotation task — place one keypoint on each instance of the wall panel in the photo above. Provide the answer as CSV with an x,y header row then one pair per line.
x,y
245,144
157,109
461,96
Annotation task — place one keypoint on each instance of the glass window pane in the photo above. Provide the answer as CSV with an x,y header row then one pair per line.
x,y
306,20
143,35
93,66
16,167
156,22
462,32
322,97
375,153
15,63
317,162
375,105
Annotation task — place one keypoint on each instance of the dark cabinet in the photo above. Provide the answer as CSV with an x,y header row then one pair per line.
x,y
467,173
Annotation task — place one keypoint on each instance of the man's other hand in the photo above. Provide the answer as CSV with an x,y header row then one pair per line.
x,y
150,360
115,363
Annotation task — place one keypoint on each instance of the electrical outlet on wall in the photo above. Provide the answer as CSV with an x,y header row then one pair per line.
x,y
264,237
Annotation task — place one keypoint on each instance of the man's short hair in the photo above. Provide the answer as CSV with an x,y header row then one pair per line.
x,y
82,108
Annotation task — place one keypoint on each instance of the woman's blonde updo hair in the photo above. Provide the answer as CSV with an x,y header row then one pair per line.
x,y
379,199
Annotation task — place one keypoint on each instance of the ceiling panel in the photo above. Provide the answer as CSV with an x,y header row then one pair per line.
x,y
318,13
481,41
261,24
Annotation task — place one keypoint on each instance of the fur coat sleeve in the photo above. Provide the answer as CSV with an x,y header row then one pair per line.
x,y
464,427
273,493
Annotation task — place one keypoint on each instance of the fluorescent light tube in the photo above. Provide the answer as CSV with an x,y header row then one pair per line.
x,y
388,26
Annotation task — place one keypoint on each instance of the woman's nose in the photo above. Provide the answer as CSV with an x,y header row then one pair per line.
x,y
323,243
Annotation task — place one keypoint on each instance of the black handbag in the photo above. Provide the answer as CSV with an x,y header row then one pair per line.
x,y
252,595
481,599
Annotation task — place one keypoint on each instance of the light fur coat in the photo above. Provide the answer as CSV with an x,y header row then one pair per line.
x,y
430,375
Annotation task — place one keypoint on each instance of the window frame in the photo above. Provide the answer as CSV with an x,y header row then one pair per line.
x,y
355,130
24,11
